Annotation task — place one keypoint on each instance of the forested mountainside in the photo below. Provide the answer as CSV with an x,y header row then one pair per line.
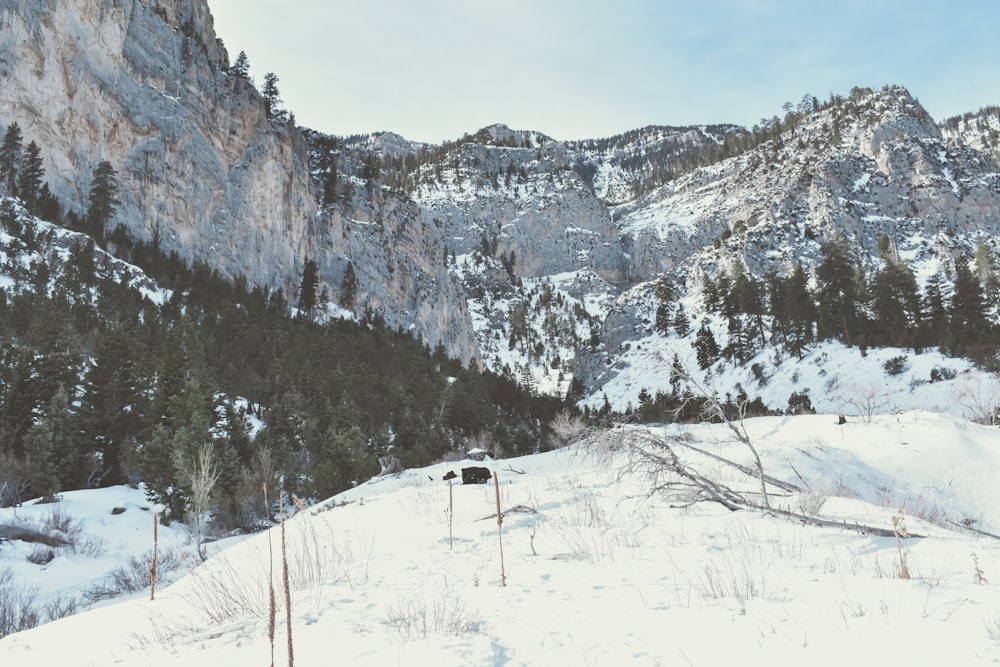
x,y
276,258
109,377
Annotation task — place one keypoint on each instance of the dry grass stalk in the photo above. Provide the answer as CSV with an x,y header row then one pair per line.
x,y
152,565
271,607
496,484
899,528
288,592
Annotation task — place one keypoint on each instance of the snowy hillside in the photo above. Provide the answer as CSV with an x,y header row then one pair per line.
x,y
596,572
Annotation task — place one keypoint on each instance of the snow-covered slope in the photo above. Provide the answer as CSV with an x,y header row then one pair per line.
x,y
596,572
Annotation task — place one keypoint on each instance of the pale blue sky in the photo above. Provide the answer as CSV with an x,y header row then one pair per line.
x,y
433,70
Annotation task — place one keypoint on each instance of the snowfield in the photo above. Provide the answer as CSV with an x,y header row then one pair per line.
x,y
597,571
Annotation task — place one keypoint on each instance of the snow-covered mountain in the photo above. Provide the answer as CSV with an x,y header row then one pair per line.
x,y
511,249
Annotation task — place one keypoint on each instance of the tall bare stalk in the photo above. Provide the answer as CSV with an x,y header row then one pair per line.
x,y
496,484
270,578
152,565
288,592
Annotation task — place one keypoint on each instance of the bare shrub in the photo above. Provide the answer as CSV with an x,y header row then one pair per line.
x,y
810,502
567,428
419,619
58,523
746,581
15,479
133,575
17,605
41,555
979,396
225,592
868,398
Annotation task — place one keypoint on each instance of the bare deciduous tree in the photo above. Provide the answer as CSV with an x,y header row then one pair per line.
x,y
203,475
567,428
867,398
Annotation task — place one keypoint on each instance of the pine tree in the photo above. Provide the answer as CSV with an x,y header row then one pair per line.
x,y
184,428
936,330
682,325
796,310
39,456
706,349
47,206
103,200
272,97
896,304
349,287
837,292
309,286
663,319
29,180
10,158
69,460
969,325
241,68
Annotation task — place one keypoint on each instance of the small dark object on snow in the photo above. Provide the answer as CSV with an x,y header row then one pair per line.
x,y
117,510
476,475
451,475
841,419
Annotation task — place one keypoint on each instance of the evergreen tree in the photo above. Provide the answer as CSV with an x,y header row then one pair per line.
x,y
47,206
272,97
796,310
682,325
896,304
39,456
309,286
936,330
167,455
103,200
241,68
989,278
837,292
69,459
29,180
705,346
663,319
349,288
10,158
969,324
114,404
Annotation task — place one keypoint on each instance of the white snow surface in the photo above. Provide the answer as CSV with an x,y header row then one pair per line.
x,y
597,572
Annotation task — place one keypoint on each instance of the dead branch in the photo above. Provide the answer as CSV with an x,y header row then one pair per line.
x,y
654,458
864,529
965,526
746,470
713,408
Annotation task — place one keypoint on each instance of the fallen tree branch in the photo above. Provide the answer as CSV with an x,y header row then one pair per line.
x,y
653,457
746,470
969,528
862,528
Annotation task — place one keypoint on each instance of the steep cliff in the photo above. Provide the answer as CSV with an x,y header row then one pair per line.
x,y
535,257
145,86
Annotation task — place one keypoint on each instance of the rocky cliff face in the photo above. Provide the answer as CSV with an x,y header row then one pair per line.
x,y
144,85
532,256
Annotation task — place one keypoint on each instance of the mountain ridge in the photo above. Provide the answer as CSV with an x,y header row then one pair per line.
x,y
450,240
